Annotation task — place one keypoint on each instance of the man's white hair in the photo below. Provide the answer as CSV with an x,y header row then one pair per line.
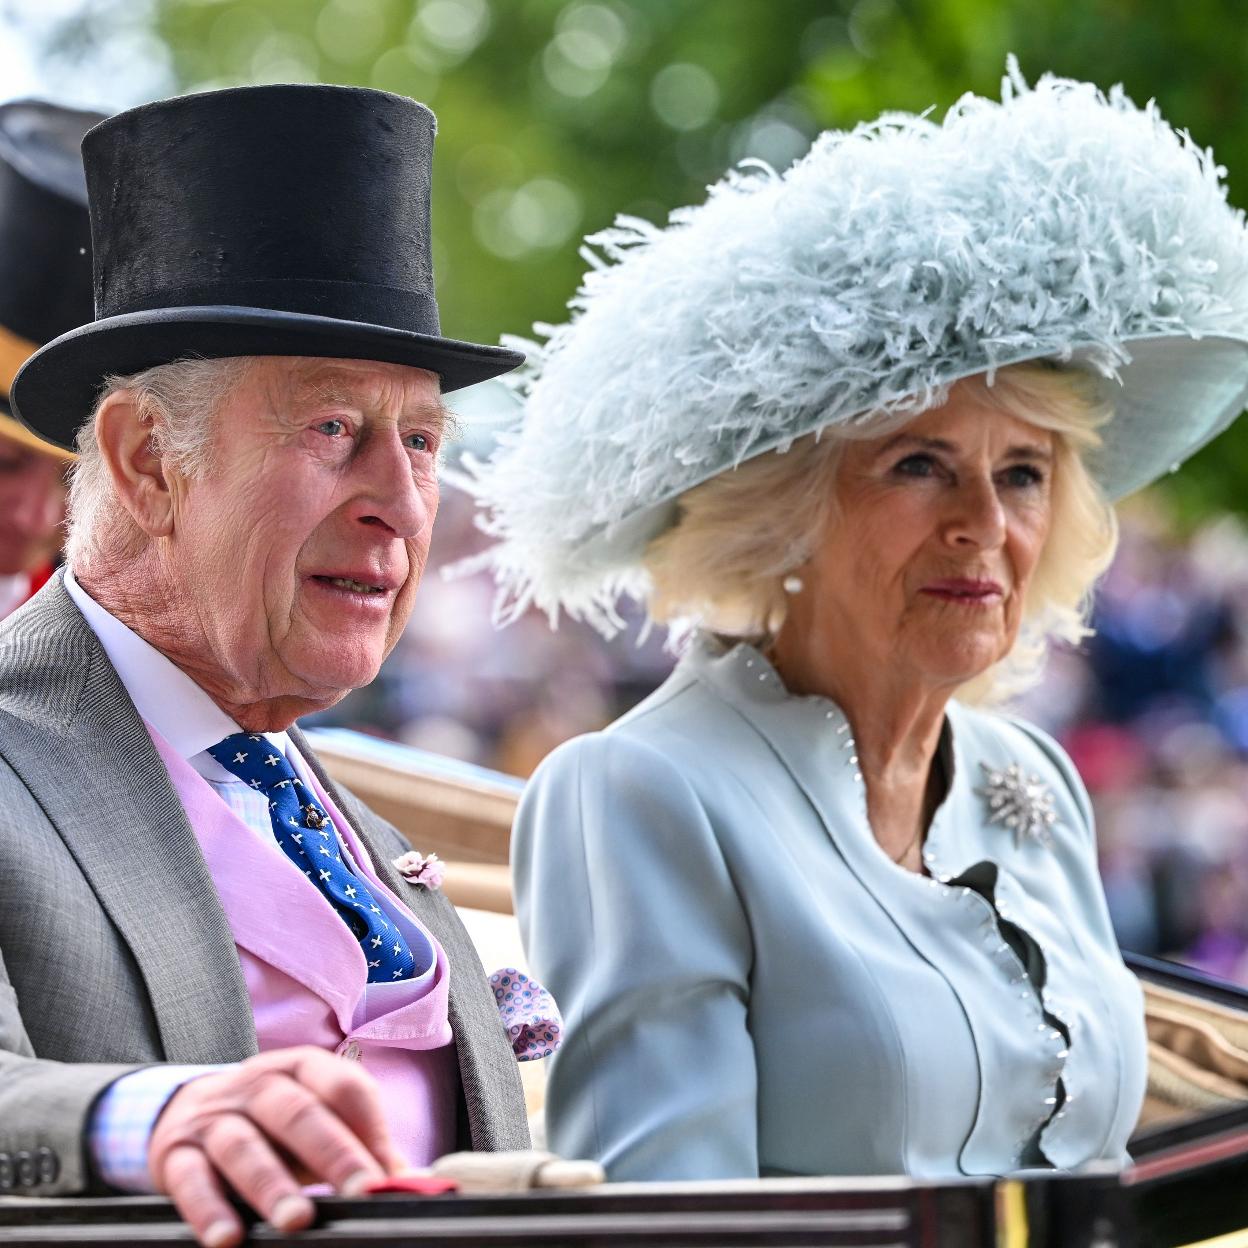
x,y
180,402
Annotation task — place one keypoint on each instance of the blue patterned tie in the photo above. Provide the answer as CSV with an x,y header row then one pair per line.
x,y
306,835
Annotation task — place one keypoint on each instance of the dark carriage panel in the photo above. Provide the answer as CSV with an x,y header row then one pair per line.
x,y
886,1214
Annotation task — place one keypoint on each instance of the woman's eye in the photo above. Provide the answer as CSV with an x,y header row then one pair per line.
x,y
332,428
1023,476
915,466
416,442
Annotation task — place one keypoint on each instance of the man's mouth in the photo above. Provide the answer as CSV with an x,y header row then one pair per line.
x,y
352,586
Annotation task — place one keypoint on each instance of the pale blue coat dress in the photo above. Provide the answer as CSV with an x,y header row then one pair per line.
x,y
751,986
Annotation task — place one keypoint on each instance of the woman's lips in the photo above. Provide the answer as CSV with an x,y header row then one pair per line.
x,y
966,591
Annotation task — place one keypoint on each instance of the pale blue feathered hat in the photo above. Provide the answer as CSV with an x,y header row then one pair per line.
x,y
887,263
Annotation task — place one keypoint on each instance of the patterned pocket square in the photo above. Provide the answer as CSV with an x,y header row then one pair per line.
x,y
529,1013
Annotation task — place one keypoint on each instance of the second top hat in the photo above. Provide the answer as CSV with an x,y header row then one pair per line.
x,y
281,220
45,238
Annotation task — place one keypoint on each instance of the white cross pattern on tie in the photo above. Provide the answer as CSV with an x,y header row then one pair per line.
x,y
293,806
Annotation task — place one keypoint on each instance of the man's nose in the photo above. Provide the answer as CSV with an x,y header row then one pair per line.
x,y
976,516
389,494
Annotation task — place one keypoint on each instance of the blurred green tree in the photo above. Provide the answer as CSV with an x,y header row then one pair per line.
x,y
557,114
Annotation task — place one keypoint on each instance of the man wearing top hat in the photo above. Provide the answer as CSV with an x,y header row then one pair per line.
x,y
184,894
45,289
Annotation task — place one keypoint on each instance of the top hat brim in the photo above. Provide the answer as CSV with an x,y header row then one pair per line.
x,y
56,389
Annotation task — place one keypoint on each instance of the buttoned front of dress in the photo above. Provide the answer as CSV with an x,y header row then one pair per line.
x,y
976,1019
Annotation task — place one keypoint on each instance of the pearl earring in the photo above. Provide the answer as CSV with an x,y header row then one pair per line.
x,y
793,584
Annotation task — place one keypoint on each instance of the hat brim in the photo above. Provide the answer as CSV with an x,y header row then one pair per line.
x,y
1174,395
55,390
11,431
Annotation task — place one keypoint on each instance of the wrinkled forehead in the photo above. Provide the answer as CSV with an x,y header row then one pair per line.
x,y
363,385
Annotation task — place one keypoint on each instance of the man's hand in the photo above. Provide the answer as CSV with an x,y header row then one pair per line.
x,y
265,1127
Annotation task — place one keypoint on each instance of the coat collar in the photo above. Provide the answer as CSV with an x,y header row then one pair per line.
x,y
814,740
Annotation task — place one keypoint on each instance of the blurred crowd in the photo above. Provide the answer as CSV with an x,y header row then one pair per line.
x,y
1153,708
1154,711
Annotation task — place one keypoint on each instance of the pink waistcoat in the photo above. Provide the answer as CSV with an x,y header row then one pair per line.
x,y
307,977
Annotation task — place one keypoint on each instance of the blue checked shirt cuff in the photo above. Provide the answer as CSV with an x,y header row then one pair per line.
x,y
122,1121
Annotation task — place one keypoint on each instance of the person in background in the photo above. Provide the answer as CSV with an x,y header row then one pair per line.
x,y
813,908
220,972
45,290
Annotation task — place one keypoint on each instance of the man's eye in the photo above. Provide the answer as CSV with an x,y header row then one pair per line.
x,y
331,428
416,442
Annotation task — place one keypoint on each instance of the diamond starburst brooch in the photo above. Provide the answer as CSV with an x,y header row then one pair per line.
x,y
1022,803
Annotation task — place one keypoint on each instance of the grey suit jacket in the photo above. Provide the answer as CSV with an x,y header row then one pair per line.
x,y
114,949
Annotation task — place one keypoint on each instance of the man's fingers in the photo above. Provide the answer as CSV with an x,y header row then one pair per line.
x,y
191,1183
246,1160
355,1097
300,1123
256,1127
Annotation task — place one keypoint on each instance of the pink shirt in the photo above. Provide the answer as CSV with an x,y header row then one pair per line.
x,y
306,975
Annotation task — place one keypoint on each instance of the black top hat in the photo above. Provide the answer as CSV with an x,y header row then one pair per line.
x,y
283,220
45,237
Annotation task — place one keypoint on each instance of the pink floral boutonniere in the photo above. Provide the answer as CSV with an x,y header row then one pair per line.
x,y
424,869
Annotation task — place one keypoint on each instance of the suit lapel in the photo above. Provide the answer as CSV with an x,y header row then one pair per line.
x,y
88,760
493,1093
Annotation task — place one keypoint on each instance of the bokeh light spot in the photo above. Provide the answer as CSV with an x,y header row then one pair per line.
x,y
351,31
537,216
283,57
567,73
684,96
399,71
455,27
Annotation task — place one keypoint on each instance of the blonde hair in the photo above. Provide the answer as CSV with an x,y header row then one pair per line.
x,y
723,564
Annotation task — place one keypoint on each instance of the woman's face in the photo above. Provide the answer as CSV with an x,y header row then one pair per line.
x,y
926,558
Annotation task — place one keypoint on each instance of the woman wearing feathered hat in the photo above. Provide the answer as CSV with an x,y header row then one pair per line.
x,y
808,909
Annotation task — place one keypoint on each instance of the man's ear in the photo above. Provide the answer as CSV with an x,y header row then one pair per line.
x,y
138,475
